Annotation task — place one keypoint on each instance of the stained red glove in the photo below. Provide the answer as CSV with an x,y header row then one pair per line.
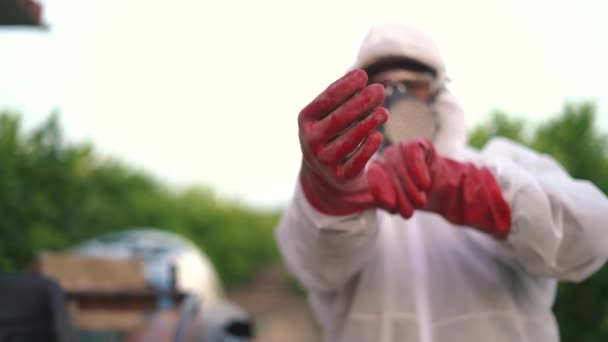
x,y
413,176
338,137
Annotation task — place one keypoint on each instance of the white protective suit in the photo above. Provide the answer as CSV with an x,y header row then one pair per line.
x,y
374,276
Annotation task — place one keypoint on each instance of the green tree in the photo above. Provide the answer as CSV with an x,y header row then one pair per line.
x,y
499,124
53,194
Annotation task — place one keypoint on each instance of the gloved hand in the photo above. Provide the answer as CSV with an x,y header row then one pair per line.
x,y
413,176
338,137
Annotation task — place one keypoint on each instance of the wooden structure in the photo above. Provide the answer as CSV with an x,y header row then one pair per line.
x,y
112,296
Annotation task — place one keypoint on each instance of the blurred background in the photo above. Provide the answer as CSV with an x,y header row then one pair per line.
x,y
180,116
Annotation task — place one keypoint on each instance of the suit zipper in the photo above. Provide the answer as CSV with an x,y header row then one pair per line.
x,y
421,289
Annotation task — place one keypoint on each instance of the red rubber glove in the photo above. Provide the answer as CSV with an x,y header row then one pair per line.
x,y
338,136
413,176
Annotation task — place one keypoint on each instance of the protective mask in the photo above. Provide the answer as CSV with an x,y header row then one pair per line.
x,y
409,117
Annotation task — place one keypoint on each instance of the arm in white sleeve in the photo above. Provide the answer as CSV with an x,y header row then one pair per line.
x,y
559,224
324,252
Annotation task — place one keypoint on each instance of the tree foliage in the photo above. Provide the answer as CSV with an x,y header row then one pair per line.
x,y
53,195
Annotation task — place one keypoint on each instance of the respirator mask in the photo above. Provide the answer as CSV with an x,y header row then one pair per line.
x,y
409,116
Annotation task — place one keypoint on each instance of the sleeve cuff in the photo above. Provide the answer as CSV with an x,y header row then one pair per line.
x,y
324,221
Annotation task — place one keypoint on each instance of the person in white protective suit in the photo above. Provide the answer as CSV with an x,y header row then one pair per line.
x,y
400,232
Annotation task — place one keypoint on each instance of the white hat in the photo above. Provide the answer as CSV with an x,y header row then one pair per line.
x,y
399,40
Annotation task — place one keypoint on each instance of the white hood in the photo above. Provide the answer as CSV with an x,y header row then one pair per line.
x,y
391,39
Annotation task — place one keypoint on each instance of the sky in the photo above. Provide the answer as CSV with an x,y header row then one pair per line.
x,y
201,92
